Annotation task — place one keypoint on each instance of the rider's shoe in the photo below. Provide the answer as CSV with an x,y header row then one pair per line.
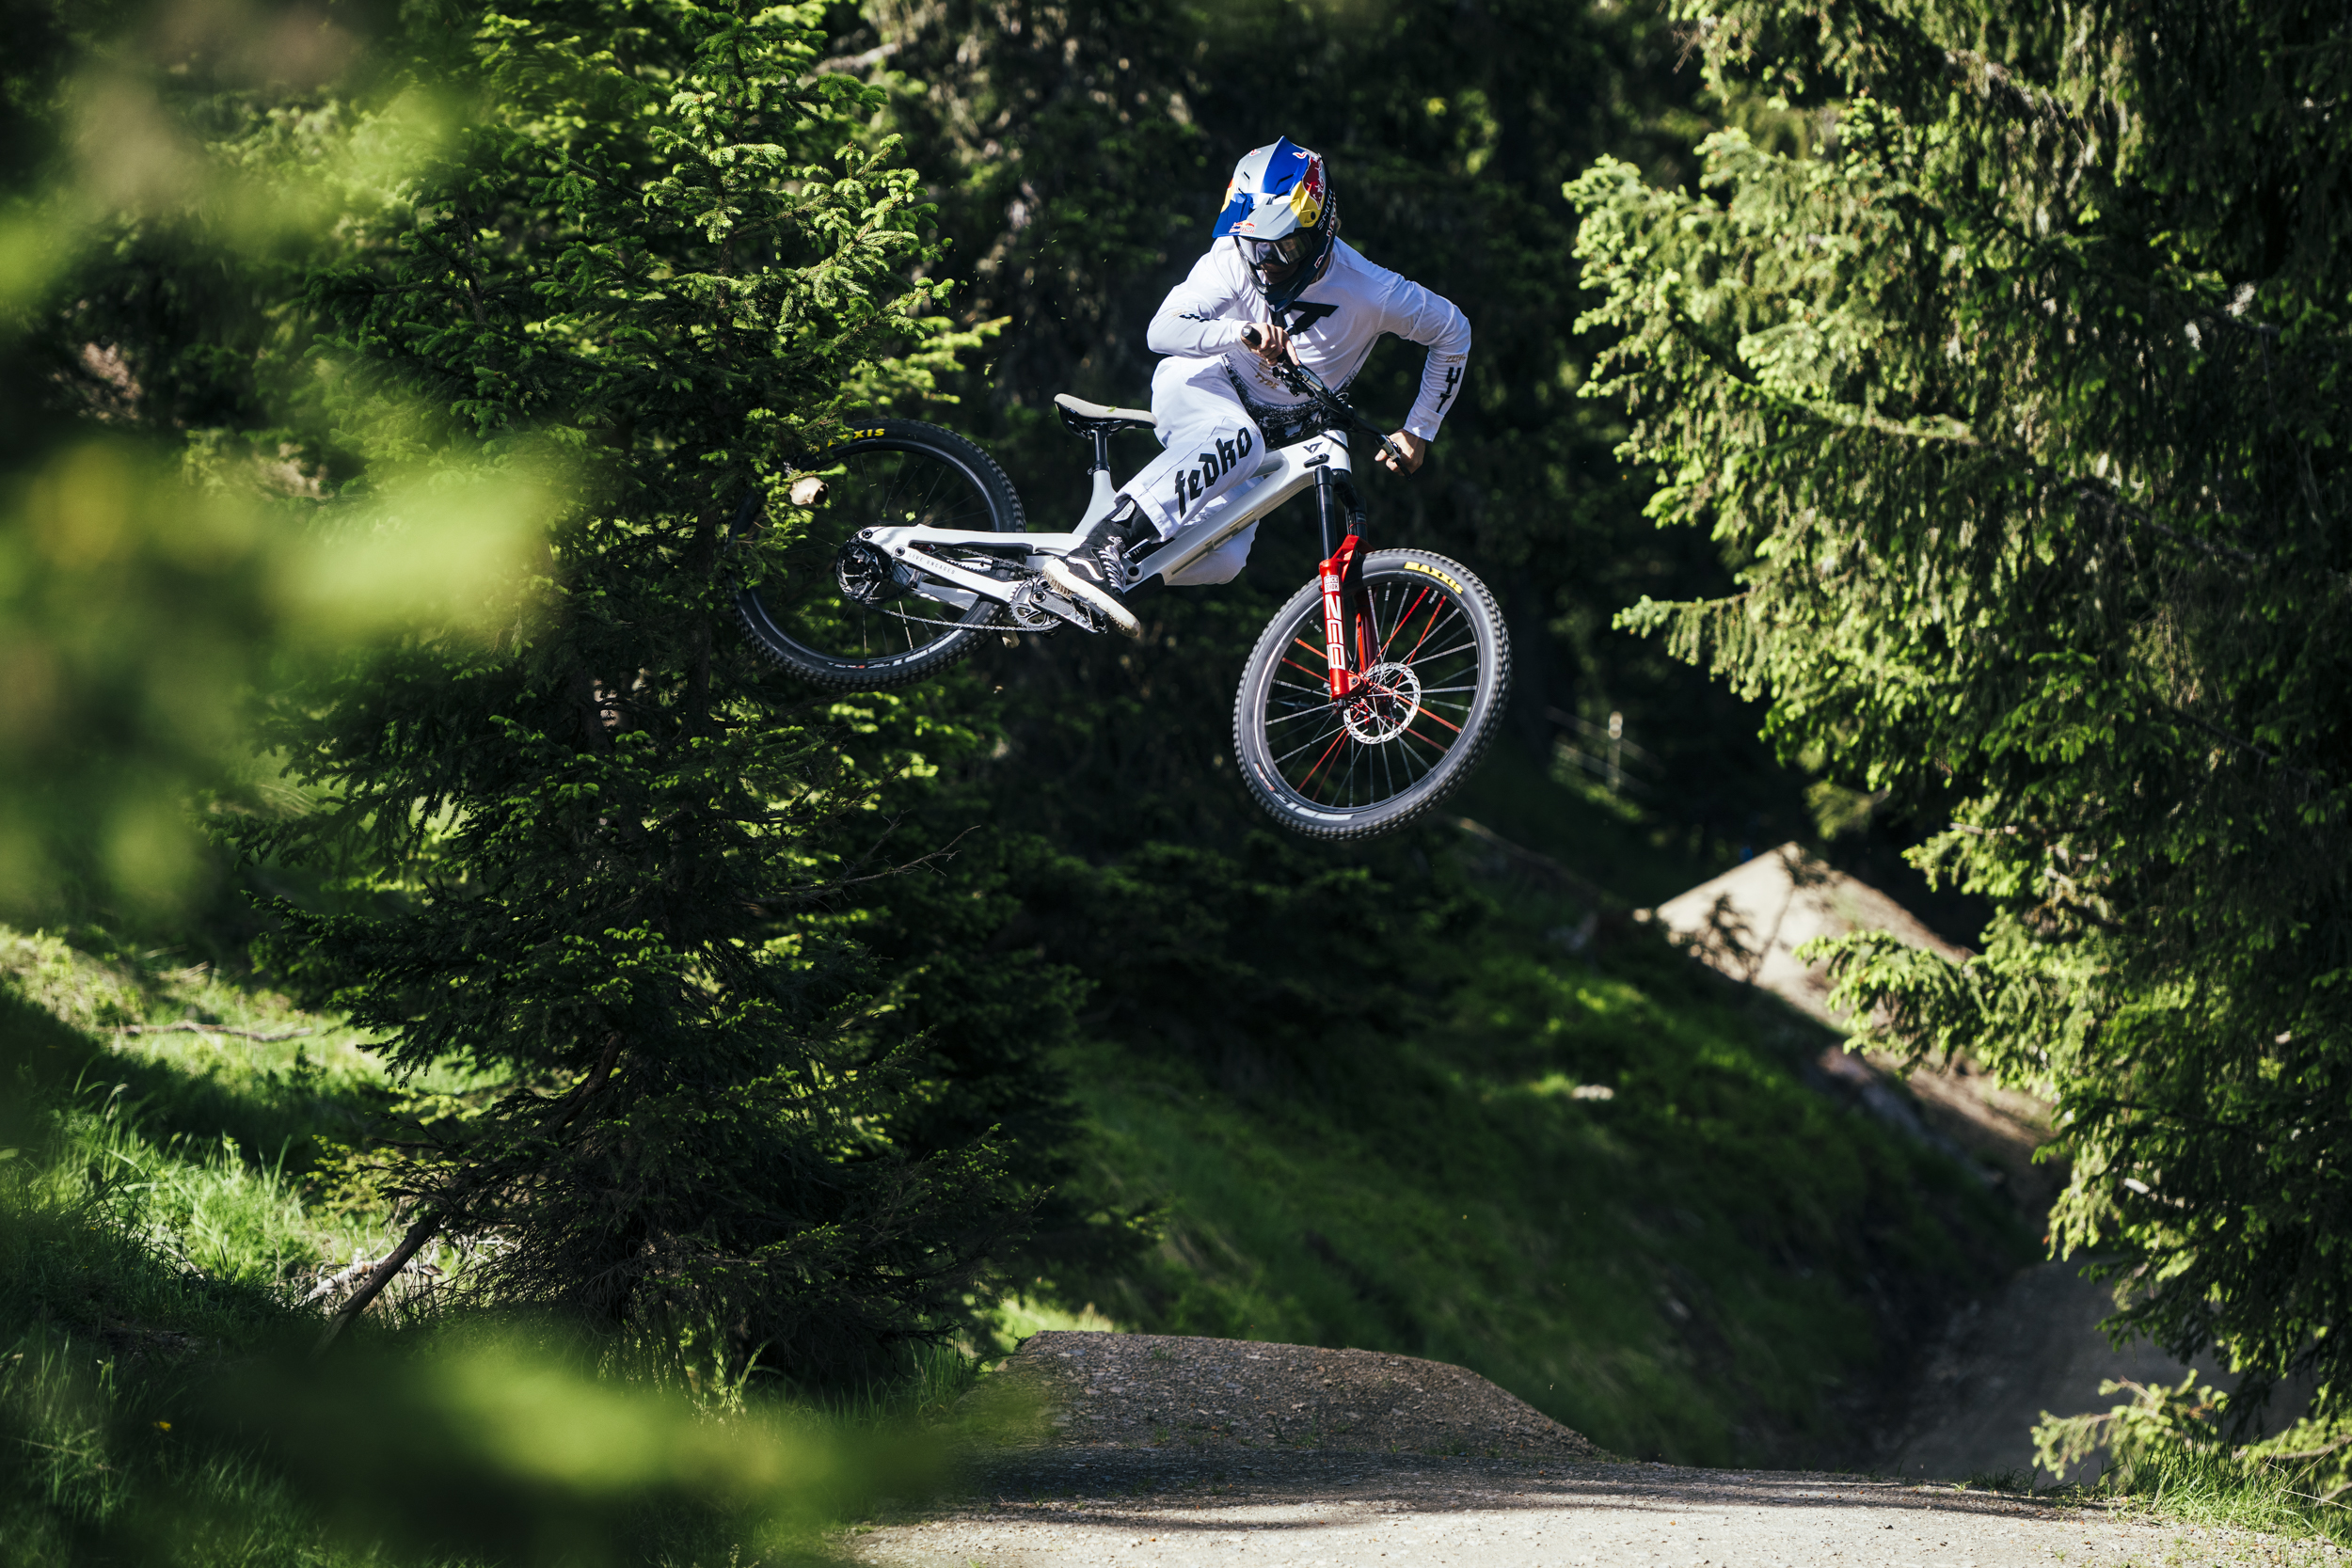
x,y
1097,571
1100,557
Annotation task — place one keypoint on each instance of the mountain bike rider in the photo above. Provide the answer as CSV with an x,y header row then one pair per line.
x,y
1311,301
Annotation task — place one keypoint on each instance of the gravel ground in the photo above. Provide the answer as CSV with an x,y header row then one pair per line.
x,y
1310,1511
1139,1448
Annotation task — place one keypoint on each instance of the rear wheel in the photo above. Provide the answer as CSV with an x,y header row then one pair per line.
x,y
852,619
1437,670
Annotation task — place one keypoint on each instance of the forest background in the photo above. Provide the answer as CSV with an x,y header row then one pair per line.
x,y
1105,998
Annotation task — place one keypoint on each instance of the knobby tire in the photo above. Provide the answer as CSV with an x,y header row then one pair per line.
x,y
1330,770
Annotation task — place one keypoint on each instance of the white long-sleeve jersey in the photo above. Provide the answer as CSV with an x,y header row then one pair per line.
x,y
1333,326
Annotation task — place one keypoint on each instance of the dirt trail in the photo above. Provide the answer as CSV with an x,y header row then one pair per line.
x,y
2036,1346
1147,1448
1068,1507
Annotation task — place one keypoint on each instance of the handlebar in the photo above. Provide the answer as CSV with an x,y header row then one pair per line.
x,y
1299,379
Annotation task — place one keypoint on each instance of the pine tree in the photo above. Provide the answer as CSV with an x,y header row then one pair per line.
x,y
2014,383
648,267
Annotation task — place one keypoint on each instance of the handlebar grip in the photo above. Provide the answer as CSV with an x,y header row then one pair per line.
x,y
1251,336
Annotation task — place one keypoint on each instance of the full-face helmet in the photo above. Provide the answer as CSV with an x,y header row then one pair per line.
x,y
1281,212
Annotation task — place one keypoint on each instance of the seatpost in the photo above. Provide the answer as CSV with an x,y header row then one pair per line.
x,y
1101,438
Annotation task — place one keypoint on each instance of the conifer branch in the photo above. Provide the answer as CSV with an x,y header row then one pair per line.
x,y
424,1231
2000,84
190,1026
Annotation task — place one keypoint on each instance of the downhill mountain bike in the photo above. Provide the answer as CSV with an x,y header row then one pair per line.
x,y
1367,700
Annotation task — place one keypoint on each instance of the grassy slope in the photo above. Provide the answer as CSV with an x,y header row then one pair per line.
x,y
195,1135
160,1222
149,1225
1718,1263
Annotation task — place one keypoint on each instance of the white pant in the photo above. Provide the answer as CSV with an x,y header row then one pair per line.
x,y
1213,446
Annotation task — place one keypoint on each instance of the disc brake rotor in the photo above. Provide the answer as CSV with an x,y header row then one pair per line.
x,y
1384,703
866,574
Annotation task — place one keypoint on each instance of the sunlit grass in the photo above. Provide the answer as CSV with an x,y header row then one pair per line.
x,y
2218,1487
1017,1316
2163,1449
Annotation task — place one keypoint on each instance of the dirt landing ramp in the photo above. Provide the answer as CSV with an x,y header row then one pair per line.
x,y
1182,1393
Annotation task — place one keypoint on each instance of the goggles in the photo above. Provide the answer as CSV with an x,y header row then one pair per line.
x,y
1285,252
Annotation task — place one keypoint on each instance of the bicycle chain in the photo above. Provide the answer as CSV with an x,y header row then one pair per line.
x,y
1022,612
973,625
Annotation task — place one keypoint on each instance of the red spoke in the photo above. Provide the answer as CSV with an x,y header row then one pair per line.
x,y
1439,718
1320,761
1403,620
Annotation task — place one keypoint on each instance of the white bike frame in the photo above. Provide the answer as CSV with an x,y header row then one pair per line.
x,y
1282,474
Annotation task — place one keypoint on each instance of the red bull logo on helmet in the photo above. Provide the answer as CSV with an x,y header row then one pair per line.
x,y
1307,196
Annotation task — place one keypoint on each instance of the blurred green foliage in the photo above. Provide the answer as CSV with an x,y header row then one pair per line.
x,y
387,379
165,551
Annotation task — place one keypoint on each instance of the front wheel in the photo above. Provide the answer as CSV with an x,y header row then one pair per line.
x,y
1435,670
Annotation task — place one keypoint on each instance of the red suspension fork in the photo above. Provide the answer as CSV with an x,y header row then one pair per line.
x,y
1341,575
1342,579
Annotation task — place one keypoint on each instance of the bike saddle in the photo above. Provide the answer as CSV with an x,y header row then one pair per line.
x,y
1085,418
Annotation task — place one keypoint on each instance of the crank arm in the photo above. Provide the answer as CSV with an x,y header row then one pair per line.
x,y
1061,609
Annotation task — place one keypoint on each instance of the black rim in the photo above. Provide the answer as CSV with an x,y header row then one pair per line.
x,y
869,485
1379,746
